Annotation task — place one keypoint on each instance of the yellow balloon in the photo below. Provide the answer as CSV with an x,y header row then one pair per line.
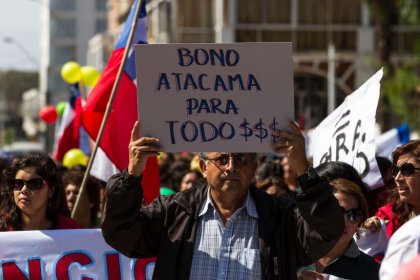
x,y
90,76
74,157
70,72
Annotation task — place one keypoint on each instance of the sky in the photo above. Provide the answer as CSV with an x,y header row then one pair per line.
x,y
20,20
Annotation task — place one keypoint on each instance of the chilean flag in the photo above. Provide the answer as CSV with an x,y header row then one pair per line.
x,y
69,131
112,154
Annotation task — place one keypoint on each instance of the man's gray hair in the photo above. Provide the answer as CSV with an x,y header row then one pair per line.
x,y
203,155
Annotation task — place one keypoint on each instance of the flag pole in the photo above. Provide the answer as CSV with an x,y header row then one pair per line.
x,y
108,107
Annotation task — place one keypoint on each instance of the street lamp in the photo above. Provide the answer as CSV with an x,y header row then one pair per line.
x,y
10,40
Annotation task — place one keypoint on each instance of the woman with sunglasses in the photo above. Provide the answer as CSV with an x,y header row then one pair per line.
x,y
35,197
345,260
406,173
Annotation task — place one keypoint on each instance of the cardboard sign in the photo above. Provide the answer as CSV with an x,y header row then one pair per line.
x,y
214,97
348,133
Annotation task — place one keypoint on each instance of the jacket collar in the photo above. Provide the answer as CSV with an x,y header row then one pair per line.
x,y
249,205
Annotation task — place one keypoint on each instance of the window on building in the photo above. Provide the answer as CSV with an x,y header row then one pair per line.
x,y
246,36
278,11
63,54
277,36
193,13
63,5
249,11
346,11
313,12
311,40
100,5
345,40
63,28
101,25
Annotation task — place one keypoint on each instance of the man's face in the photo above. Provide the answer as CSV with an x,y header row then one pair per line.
x,y
229,172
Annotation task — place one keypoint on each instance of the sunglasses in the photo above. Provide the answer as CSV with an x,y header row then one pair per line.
x,y
354,215
406,169
31,184
223,160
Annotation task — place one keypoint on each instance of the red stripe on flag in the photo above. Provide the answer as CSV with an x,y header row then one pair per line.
x,y
116,136
70,138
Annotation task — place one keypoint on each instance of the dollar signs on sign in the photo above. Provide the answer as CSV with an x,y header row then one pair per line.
x,y
261,132
247,130
273,130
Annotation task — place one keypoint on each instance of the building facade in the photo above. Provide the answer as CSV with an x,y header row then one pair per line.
x,y
67,27
335,42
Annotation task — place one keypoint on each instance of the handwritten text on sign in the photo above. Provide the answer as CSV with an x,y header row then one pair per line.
x,y
214,97
348,133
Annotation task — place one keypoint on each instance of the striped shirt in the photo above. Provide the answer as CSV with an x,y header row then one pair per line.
x,y
228,251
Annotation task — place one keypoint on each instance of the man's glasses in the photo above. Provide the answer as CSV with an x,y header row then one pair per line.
x,y
406,169
354,215
31,184
223,160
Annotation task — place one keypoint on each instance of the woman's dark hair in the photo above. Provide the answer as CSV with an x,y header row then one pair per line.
x,y
75,177
402,209
45,167
269,173
337,169
197,173
176,171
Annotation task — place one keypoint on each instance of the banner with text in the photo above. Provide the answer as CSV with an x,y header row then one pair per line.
x,y
66,254
348,133
214,97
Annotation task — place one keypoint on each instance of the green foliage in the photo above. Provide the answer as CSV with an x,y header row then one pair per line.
x,y
409,11
403,92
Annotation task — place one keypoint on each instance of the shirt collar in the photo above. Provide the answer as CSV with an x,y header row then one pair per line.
x,y
352,251
249,205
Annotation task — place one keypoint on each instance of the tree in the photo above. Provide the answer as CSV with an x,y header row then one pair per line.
x,y
401,85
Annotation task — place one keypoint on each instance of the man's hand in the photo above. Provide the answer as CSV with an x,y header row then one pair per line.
x,y
139,150
292,144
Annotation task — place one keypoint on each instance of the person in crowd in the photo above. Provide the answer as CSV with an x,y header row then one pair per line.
x,y
289,175
3,164
345,260
409,270
35,196
177,171
190,179
338,169
382,195
87,213
165,161
403,247
406,173
269,178
225,229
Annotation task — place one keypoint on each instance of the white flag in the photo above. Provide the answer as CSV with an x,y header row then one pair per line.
x,y
348,133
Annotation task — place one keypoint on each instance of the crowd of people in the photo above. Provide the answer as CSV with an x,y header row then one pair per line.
x,y
234,215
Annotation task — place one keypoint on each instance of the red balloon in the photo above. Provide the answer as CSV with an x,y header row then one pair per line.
x,y
48,114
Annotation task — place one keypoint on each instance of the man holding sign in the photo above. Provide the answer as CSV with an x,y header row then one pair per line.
x,y
225,229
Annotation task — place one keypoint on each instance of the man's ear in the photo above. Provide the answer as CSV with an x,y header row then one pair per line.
x,y
203,167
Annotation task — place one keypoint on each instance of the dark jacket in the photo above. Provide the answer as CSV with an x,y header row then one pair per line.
x,y
289,236
354,265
